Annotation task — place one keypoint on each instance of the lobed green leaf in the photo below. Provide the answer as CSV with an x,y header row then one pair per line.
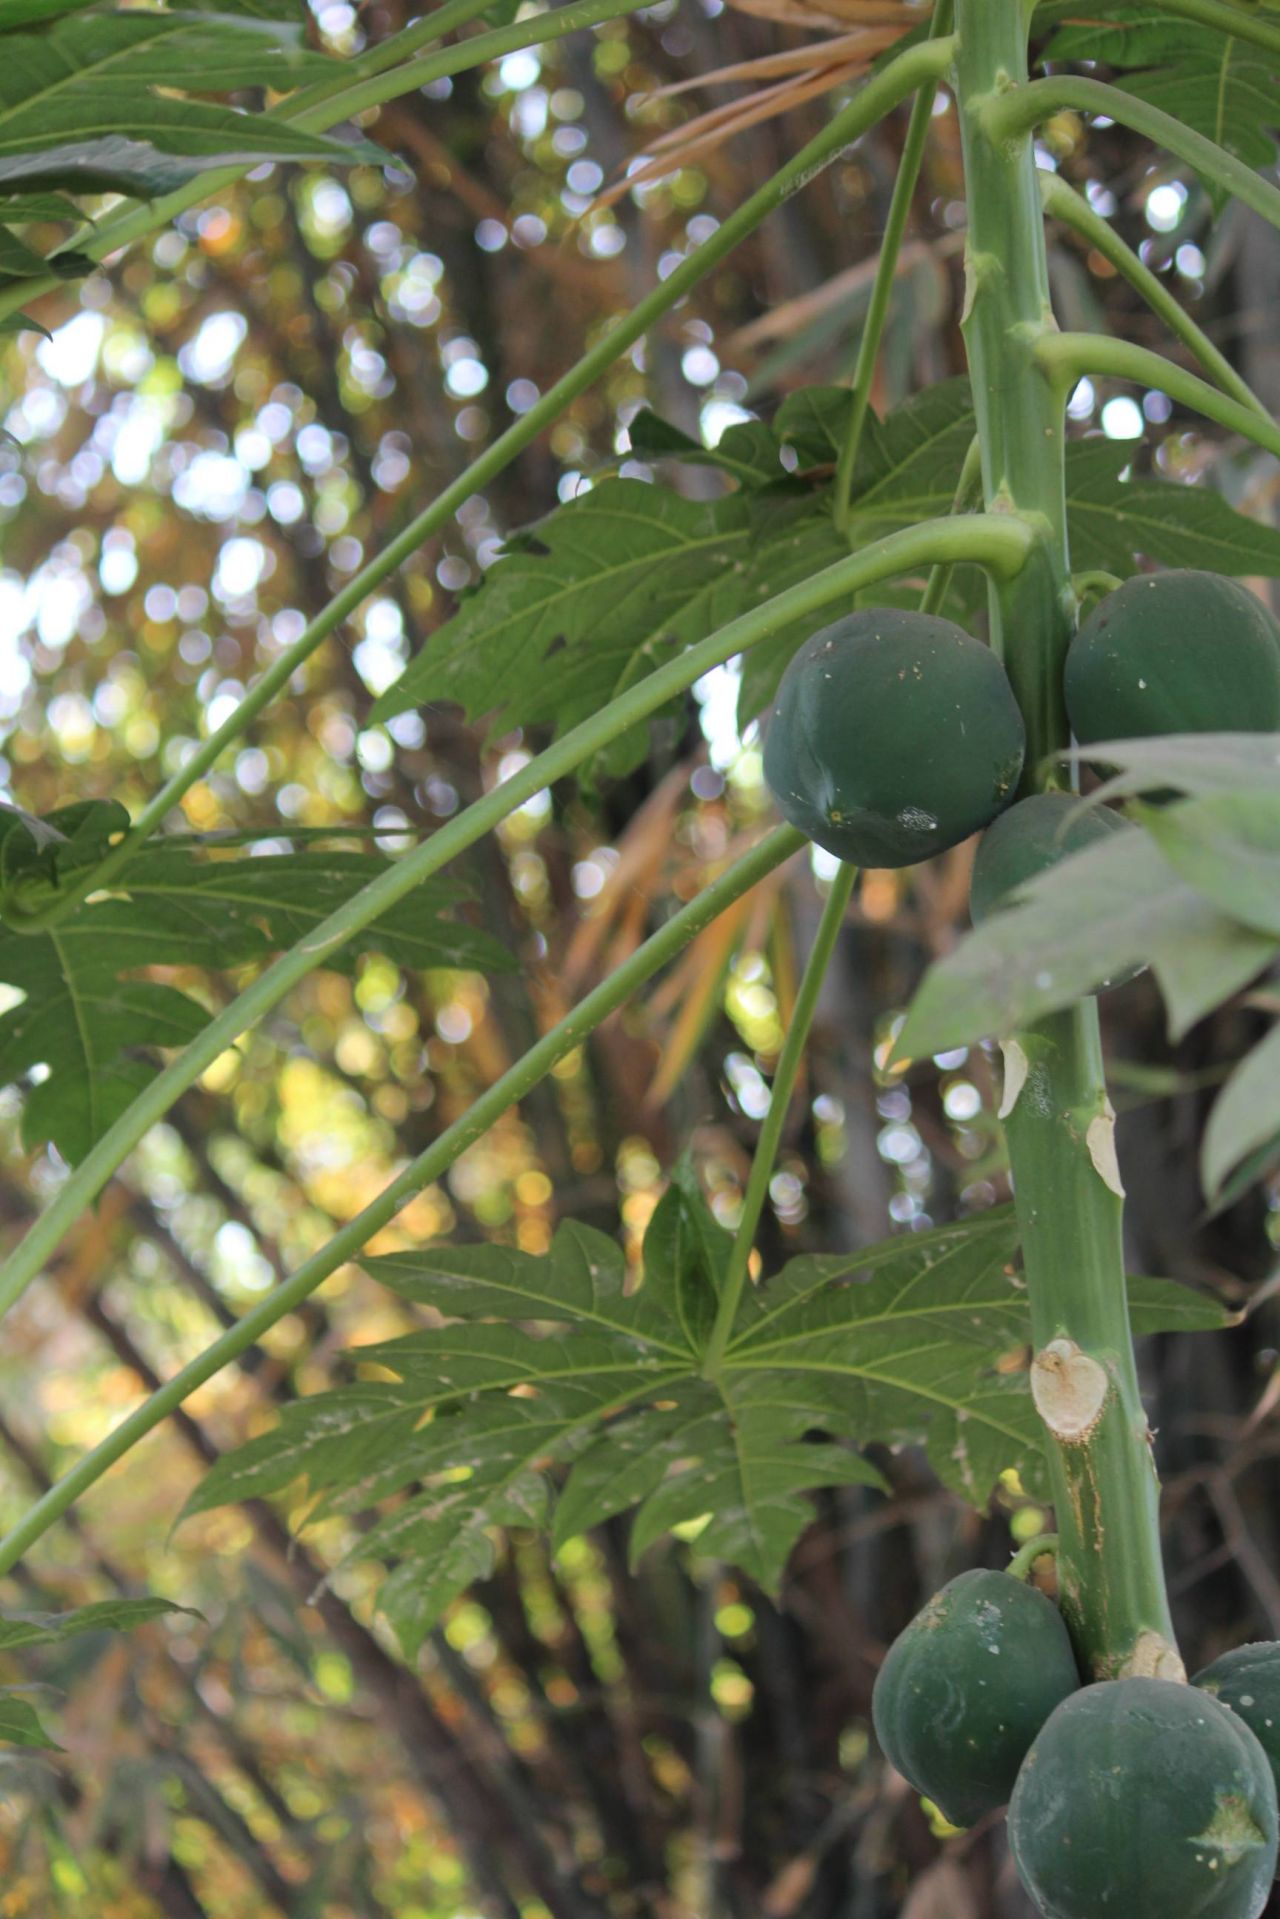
x,y
922,1339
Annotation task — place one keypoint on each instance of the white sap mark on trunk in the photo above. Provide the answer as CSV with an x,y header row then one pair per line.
x,y
1015,1075
1153,1658
1101,1141
1069,1389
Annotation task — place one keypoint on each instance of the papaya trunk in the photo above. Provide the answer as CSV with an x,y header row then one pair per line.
x,y
1058,1120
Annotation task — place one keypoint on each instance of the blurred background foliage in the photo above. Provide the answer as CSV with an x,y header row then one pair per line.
x,y
216,433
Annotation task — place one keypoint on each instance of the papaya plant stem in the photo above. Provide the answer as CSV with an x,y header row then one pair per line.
x,y
784,1079
968,489
1001,542
1013,113
429,1165
1058,1121
1068,356
870,104
1065,204
904,189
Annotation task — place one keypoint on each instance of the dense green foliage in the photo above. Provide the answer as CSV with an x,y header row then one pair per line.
x,y
966,1688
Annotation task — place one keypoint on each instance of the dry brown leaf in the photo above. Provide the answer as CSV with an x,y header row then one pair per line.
x,y
682,145
769,66
781,322
700,979
695,986
642,850
832,13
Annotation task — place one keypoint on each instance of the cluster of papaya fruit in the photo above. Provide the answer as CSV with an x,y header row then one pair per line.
x,y
896,734
1141,1796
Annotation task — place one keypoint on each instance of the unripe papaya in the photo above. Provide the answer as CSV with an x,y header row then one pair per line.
x,y
1029,837
1179,652
895,735
1248,1682
967,1686
1145,1799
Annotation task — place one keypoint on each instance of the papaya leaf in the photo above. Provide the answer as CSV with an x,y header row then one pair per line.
x,y
598,594
1228,846
1193,763
794,539
79,106
1245,1116
1167,1306
16,209
17,14
809,421
921,1339
1226,88
1095,916
1113,519
608,586
582,1281
82,1021
911,463
748,452
685,1254
18,261
104,1615
20,1722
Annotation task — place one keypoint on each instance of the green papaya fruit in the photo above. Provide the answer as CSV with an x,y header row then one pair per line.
x,y
967,1686
895,735
1029,837
1248,1681
1178,652
1145,1799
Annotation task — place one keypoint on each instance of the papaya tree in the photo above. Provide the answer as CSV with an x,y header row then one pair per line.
x,y
960,618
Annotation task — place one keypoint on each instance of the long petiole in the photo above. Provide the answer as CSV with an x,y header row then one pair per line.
x,y
430,1165
1066,357
1009,114
429,31
968,489
904,189
1001,542
1065,204
784,1080
870,104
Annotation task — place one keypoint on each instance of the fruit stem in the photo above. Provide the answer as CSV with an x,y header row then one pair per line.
x,y
968,489
904,189
1015,110
1043,1546
1069,356
1062,202
1059,1123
